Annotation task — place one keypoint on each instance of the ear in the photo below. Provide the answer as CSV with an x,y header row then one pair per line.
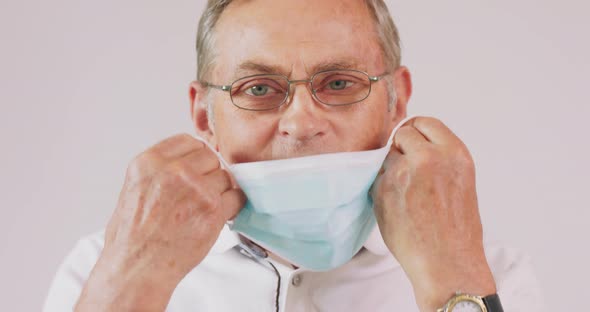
x,y
403,90
199,114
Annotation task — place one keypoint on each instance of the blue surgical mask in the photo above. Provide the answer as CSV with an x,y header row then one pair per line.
x,y
314,211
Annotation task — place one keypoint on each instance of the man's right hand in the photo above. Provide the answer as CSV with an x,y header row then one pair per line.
x,y
173,205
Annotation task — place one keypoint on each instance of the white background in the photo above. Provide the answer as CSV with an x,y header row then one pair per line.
x,y
86,85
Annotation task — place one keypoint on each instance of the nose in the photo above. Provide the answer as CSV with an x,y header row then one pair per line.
x,y
303,118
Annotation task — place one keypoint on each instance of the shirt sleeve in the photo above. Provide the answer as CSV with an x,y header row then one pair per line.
x,y
72,274
516,280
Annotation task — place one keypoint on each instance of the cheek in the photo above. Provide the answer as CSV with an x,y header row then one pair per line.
x,y
243,136
368,123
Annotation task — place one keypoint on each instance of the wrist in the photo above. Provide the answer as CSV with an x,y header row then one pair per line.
x,y
116,285
436,299
434,292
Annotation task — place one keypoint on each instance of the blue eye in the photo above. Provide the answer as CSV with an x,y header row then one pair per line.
x,y
257,90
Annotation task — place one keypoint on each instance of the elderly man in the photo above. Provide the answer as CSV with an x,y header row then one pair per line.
x,y
279,83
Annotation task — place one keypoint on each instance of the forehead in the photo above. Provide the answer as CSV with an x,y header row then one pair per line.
x,y
293,35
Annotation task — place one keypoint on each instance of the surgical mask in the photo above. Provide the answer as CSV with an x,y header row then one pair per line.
x,y
314,211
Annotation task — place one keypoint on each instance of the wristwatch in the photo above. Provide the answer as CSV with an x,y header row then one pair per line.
x,y
470,303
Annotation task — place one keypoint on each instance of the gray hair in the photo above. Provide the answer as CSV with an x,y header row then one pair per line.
x,y
387,32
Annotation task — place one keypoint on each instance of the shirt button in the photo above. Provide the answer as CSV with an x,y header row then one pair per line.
x,y
296,280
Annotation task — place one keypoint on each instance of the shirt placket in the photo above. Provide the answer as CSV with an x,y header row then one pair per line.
x,y
291,280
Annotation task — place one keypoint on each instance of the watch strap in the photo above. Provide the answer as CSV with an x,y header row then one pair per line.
x,y
493,303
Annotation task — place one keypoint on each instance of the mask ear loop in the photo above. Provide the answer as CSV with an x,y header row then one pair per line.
x,y
399,125
375,240
224,164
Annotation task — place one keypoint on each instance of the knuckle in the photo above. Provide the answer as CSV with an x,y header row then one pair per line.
x,y
398,175
181,137
139,163
202,198
389,180
204,158
189,139
392,182
176,167
158,184
390,173
464,155
208,204
205,152
185,136
402,176
169,179
464,158
426,158
434,122
403,131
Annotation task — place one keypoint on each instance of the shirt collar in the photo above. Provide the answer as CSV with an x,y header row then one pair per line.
x,y
227,240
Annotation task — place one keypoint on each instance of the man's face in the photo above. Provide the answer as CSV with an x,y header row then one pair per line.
x,y
296,39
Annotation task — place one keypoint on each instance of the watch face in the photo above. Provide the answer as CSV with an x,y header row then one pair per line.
x,y
466,306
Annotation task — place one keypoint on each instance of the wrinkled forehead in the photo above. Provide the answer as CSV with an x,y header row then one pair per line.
x,y
295,37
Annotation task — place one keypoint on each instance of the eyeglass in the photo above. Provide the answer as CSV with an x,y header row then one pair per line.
x,y
269,91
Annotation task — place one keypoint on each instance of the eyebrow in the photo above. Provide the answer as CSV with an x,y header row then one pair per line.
x,y
336,64
253,67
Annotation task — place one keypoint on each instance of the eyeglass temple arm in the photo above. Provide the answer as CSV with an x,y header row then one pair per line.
x,y
377,78
228,87
222,88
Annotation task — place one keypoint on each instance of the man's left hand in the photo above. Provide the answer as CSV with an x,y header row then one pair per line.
x,y
426,207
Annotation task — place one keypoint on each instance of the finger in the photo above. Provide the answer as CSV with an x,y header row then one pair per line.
x,y
373,188
177,146
232,202
201,161
408,139
391,158
217,181
434,130
376,187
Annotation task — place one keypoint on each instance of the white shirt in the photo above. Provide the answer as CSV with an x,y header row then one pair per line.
x,y
229,280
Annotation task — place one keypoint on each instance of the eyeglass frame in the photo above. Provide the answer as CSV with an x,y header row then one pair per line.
x,y
227,88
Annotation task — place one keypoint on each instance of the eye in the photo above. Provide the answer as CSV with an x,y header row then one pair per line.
x,y
339,84
258,87
258,90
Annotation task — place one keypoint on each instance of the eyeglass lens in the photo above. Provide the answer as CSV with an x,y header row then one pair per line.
x,y
264,92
